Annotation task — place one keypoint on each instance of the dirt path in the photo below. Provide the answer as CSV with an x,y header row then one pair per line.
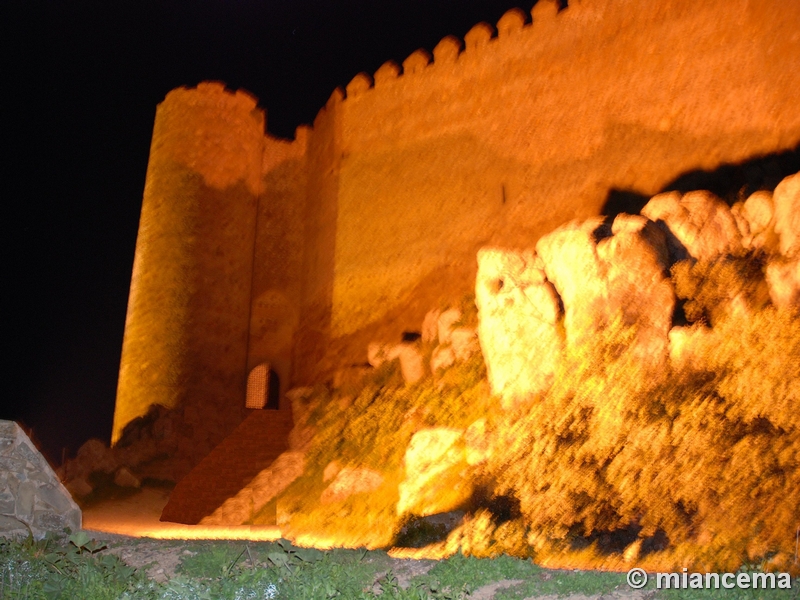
x,y
133,531
138,516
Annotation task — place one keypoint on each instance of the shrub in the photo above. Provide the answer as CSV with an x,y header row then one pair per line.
x,y
706,456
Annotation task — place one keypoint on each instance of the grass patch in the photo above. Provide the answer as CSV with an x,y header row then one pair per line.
x,y
78,567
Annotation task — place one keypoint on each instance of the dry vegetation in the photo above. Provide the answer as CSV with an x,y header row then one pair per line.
x,y
693,467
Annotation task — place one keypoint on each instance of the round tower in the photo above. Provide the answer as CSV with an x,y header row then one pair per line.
x,y
187,323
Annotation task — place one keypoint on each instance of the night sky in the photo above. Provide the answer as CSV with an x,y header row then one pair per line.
x,y
81,81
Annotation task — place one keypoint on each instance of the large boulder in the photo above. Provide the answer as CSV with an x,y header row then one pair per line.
x,y
635,263
32,499
464,341
698,224
435,473
430,326
622,276
518,315
349,481
442,357
783,279
786,200
755,219
570,262
446,323
412,364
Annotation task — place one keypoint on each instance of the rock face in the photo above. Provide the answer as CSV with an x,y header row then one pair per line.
x,y
349,481
435,465
519,313
783,278
702,224
520,295
787,215
411,364
32,499
571,263
636,264
755,219
621,276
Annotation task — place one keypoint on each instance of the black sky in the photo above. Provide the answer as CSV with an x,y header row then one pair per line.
x,y
81,80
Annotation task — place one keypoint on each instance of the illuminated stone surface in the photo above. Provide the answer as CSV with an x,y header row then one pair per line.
x,y
350,481
298,253
787,215
435,463
306,247
701,222
783,277
32,499
519,318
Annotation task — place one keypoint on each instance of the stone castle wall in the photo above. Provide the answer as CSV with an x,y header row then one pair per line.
x,y
402,178
187,324
521,132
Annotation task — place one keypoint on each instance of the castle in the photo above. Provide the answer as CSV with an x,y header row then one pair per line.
x,y
256,250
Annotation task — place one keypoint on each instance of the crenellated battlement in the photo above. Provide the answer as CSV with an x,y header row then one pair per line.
x,y
240,100
480,39
481,43
377,210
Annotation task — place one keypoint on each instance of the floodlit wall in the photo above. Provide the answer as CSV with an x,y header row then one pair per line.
x,y
323,160
503,138
377,211
278,269
188,311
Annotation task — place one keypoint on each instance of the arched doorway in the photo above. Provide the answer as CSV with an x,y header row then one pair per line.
x,y
263,388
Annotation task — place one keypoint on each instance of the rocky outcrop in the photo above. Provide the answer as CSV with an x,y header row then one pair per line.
x,y
32,499
783,278
786,200
349,481
412,365
443,341
570,262
519,323
621,276
586,275
755,220
635,265
698,224
464,341
442,357
435,473
520,295
446,324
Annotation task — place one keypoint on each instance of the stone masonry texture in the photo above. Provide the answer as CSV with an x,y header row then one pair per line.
x,y
298,253
32,499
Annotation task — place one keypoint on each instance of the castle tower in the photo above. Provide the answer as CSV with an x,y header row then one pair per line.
x,y
187,323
